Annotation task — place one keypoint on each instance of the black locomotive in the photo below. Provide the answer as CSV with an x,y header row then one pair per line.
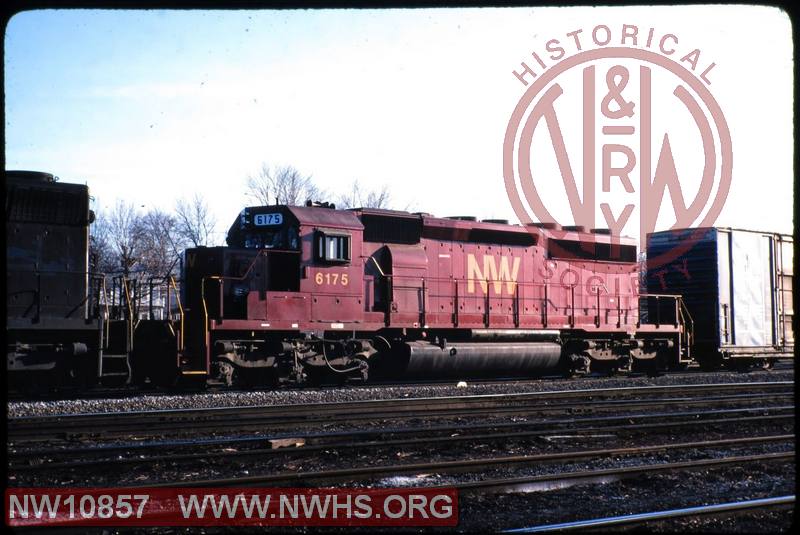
x,y
56,321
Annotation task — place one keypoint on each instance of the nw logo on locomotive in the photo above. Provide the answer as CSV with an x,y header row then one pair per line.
x,y
505,276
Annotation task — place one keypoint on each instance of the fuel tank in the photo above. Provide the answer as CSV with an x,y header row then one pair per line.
x,y
477,359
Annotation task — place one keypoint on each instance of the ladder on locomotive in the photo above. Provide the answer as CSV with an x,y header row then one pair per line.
x,y
117,325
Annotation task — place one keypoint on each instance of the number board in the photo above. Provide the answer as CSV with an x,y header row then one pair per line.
x,y
267,220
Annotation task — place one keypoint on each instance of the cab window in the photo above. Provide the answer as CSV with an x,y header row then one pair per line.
x,y
285,238
333,248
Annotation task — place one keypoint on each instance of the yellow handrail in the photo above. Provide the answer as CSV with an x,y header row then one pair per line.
x,y
108,315
205,308
223,278
130,309
689,325
180,308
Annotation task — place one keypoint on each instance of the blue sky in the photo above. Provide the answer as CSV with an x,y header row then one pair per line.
x,y
150,106
88,91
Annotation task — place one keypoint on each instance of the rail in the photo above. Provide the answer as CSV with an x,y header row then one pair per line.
x,y
639,518
403,435
367,474
609,400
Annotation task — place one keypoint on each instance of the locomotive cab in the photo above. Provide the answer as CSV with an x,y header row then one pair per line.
x,y
267,305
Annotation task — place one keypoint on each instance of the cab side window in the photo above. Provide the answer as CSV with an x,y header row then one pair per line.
x,y
332,247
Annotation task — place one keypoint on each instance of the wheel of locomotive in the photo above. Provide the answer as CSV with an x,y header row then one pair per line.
x,y
155,354
268,379
364,372
767,364
576,365
338,379
83,374
255,378
666,359
640,365
314,378
653,367
604,368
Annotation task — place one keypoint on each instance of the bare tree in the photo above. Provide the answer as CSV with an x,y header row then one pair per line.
x,y
283,185
194,222
120,228
122,240
357,197
378,198
101,255
159,242
143,248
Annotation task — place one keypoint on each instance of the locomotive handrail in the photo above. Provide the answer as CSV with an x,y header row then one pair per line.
x,y
688,326
597,305
37,292
59,271
180,308
150,298
108,314
205,309
403,282
418,283
261,252
220,278
378,266
124,282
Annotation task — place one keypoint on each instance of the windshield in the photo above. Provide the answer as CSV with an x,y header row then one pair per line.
x,y
284,238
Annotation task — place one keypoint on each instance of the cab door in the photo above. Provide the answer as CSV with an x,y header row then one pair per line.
x,y
335,279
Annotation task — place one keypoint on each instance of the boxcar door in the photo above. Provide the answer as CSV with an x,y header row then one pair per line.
x,y
752,295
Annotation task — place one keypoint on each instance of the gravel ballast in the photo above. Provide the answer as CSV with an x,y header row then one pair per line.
x,y
341,394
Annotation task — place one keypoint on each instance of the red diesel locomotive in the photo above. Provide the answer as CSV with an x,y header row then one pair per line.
x,y
313,293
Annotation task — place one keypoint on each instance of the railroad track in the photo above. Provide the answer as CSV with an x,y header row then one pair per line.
x,y
149,423
564,438
657,516
213,388
371,475
305,444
